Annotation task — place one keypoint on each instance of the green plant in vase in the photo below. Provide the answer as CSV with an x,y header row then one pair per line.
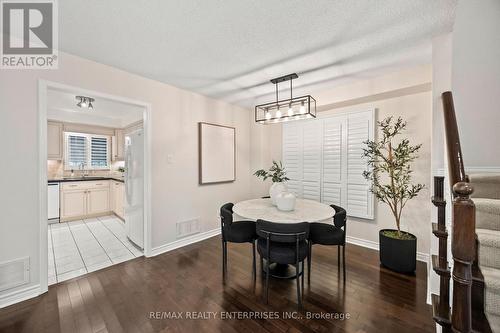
x,y
277,173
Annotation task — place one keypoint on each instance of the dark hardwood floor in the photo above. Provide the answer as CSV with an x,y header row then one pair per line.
x,y
123,297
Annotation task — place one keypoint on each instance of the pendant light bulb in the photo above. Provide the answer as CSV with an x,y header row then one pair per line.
x,y
290,110
268,114
84,103
278,112
302,108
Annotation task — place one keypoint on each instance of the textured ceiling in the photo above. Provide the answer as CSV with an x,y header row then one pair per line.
x,y
230,49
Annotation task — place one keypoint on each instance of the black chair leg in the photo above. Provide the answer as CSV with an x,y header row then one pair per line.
x,y
297,272
223,260
338,255
267,280
309,259
343,259
303,273
261,264
254,268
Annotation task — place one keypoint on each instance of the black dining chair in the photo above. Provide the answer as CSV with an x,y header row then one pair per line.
x,y
283,243
235,232
329,234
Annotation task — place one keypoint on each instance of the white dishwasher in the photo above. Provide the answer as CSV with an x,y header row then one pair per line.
x,y
53,202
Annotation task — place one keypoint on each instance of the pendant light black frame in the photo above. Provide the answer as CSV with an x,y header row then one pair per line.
x,y
307,105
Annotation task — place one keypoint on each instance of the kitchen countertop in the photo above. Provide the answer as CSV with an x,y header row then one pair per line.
x,y
84,179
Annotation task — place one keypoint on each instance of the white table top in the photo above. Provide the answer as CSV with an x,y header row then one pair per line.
x,y
305,211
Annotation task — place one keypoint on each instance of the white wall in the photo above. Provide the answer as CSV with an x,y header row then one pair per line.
x,y
176,195
476,80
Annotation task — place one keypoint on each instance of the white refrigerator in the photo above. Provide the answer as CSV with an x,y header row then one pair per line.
x,y
134,187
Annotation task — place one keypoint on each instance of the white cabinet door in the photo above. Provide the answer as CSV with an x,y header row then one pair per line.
x,y
97,201
119,199
118,145
54,140
73,204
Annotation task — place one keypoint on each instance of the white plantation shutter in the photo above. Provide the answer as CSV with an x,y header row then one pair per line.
x,y
91,151
333,163
99,152
76,150
323,159
359,198
311,160
292,157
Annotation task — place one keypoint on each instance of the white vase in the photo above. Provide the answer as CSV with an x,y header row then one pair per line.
x,y
285,201
275,189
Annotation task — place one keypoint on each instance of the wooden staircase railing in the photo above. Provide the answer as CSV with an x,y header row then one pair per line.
x,y
463,241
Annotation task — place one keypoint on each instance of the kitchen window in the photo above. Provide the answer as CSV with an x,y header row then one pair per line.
x,y
86,151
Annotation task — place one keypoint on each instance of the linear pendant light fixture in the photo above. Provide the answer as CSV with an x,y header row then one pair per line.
x,y
294,108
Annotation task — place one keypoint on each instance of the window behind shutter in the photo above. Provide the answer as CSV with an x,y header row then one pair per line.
x,y
76,150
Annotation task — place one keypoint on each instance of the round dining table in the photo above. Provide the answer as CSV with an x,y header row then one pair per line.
x,y
263,209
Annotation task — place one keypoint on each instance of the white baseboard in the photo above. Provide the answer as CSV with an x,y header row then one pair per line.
x,y
424,257
184,242
19,295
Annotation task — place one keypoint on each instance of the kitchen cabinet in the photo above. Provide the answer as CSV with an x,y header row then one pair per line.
x,y
118,145
73,204
118,199
98,201
84,199
54,140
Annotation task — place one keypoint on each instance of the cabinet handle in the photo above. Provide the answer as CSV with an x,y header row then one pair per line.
x,y
98,184
73,185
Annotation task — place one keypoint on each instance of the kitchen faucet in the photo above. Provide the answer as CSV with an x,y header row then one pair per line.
x,y
82,169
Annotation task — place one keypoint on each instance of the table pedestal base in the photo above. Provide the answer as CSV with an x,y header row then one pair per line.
x,y
282,271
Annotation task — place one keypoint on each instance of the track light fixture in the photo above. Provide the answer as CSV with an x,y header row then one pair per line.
x,y
85,102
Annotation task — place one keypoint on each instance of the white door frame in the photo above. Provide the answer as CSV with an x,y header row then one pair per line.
x,y
43,87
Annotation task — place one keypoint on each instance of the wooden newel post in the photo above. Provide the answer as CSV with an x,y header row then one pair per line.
x,y
463,248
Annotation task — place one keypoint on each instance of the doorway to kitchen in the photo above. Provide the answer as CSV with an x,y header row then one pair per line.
x,y
94,171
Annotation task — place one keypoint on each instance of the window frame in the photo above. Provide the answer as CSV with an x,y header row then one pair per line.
x,y
88,162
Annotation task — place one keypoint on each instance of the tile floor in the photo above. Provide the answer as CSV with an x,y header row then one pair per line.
x,y
80,247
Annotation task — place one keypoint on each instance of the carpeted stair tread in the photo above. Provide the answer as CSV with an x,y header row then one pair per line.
x,y
492,291
486,185
489,248
494,322
487,213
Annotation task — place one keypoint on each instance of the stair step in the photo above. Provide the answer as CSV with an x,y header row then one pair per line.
x,y
487,213
439,230
441,315
437,201
486,185
440,266
489,247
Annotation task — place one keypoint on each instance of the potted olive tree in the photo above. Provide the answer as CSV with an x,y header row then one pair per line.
x,y
390,175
